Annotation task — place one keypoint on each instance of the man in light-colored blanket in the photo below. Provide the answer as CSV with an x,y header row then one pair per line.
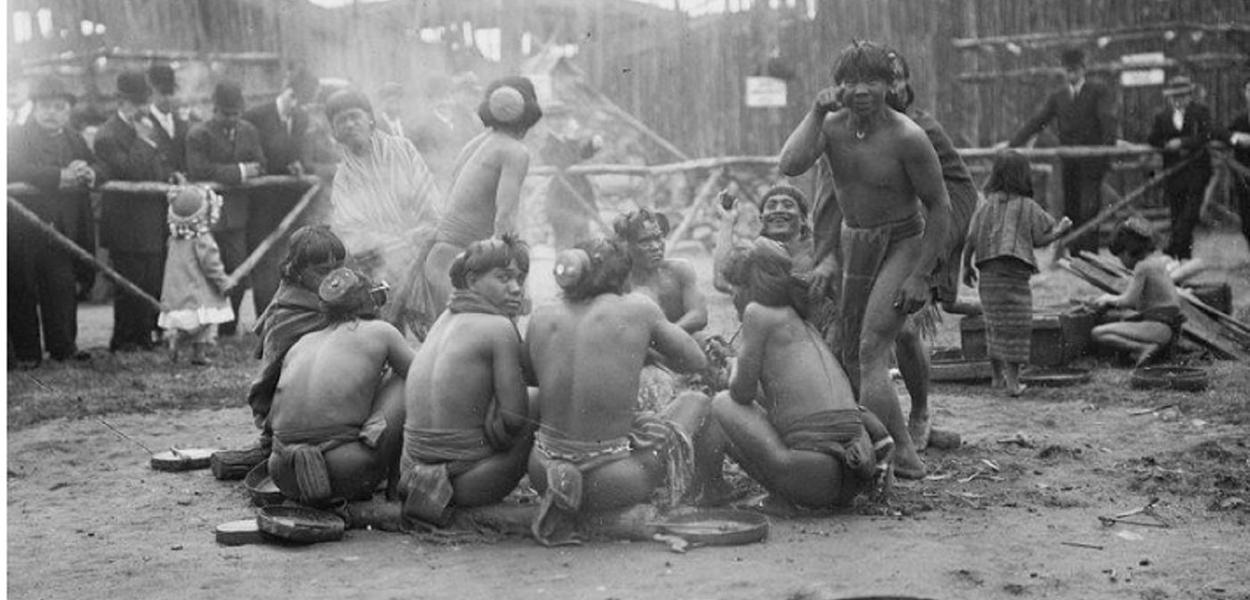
x,y
466,438
337,415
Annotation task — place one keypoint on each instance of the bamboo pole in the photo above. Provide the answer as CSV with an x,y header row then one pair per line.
x,y
270,240
1109,211
77,252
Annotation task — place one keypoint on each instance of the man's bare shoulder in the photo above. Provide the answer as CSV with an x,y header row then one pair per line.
x,y
640,304
762,315
679,266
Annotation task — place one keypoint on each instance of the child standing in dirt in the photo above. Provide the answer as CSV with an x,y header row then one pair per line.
x,y
193,293
1151,293
1002,235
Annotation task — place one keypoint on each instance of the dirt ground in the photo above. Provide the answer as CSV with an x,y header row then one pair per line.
x,y
1012,513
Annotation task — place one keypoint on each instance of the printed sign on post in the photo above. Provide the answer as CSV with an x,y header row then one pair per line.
x,y
1139,78
764,92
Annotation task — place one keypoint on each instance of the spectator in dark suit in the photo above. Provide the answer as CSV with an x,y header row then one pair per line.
x,y
171,135
283,127
42,280
132,225
1083,114
226,149
1181,131
1237,134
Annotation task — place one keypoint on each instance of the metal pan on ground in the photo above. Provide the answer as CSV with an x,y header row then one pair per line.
x,y
182,459
1055,377
1188,379
238,533
300,524
260,486
717,527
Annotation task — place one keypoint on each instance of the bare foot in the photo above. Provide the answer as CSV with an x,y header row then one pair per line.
x,y
919,426
1019,389
773,506
1147,354
907,464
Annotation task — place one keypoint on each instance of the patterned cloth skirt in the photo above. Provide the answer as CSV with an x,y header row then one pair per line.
x,y
1007,300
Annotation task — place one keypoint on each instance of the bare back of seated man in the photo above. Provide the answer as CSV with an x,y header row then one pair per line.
x,y
594,450
467,436
670,282
896,213
337,419
486,183
789,414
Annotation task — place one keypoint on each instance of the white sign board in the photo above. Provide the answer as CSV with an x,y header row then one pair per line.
x,y
543,88
1141,77
765,92
1151,59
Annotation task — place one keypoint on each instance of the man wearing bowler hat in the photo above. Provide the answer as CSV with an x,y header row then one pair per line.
x,y
1181,132
1082,113
45,153
132,225
171,133
226,149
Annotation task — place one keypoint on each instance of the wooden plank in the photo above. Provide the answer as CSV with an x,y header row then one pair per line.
x,y
1114,34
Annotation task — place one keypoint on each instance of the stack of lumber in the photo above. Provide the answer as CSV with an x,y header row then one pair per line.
x,y
1218,332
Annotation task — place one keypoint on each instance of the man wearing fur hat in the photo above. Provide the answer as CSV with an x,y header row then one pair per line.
x,y
1181,132
486,190
227,149
132,224
282,125
45,153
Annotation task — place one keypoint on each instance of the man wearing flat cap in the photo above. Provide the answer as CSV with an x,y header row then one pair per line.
x,y
283,126
132,225
45,153
226,149
1181,132
1082,113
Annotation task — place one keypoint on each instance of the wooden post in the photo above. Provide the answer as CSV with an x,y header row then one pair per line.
x,y
267,244
77,252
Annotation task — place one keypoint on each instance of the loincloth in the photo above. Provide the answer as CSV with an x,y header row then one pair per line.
x,y
864,251
566,460
302,454
838,433
430,459
1168,315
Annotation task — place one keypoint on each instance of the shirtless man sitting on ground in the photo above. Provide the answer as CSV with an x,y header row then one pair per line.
x,y
789,413
337,417
594,450
670,282
466,438
896,215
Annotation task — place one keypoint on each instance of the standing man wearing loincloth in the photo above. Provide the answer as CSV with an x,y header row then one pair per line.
x,y
337,415
486,183
896,211
467,435
594,450
789,415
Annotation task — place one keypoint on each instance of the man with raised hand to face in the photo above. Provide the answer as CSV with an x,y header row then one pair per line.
x,y
896,215
468,431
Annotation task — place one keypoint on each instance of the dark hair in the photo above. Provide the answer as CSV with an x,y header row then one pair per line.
x,y
484,255
761,272
1011,175
1134,237
1072,58
311,245
900,101
604,270
864,60
529,115
346,295
631,225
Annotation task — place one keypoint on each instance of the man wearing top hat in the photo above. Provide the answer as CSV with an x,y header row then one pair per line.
x,y
1082,113
1181,132
226,149
45,153
282,125
132,224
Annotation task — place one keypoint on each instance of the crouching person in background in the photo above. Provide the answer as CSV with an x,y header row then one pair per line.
x,y
467,433
337,416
